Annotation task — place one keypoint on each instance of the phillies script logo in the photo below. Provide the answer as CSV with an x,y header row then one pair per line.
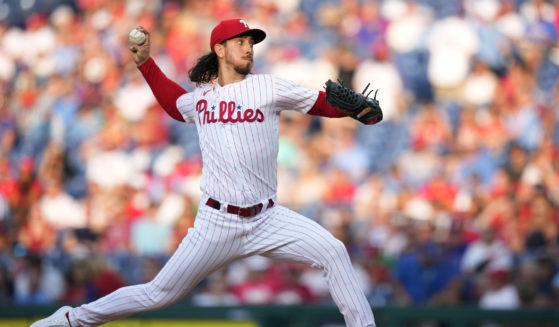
x,y
228,112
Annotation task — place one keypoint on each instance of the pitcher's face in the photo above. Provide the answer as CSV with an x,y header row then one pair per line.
x,y
239,53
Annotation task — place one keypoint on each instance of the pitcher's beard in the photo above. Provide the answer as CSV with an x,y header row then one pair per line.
x,y
244,69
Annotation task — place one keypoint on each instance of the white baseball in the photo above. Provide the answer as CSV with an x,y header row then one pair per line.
x,y
136,37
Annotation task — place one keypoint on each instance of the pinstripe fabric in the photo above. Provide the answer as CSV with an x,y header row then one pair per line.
x,y
214,241
240,158
219,238
286,235
238,131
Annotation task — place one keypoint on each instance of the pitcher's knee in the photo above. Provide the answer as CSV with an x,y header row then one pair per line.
x,y
337,250
156,297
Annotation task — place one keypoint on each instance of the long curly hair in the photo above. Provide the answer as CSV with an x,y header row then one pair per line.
x,y
205,70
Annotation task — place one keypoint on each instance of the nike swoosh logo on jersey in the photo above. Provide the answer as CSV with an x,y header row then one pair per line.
x,y
205,92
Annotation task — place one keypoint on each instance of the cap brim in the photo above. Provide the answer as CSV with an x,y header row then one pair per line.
x,y
257,34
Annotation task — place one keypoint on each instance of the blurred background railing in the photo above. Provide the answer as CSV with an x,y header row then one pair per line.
x,y
306,316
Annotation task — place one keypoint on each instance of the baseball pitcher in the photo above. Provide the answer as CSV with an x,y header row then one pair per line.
x,y
237,116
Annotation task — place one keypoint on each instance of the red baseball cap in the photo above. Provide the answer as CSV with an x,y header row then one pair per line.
x,y
230,28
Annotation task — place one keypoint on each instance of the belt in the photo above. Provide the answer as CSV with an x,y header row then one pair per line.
x,y
242,212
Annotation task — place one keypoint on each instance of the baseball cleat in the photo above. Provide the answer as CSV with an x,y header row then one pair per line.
x,y
57,319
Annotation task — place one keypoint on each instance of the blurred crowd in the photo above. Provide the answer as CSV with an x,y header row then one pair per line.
x,y
451,200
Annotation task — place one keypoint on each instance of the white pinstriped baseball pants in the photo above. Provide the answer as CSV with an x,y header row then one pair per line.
x,y
219,238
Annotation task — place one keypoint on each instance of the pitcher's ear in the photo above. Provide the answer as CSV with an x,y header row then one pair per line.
x,y
219,50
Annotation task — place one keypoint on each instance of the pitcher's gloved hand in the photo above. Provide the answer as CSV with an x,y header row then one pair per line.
x,y
356,105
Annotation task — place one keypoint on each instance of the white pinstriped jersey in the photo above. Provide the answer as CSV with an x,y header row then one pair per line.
x,y
238,132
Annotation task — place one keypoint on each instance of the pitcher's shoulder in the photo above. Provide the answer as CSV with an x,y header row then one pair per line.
x,y
203,88
197,92
261,78
265,75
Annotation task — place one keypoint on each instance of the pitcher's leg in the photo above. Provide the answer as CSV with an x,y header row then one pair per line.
x,y
288,235
206,248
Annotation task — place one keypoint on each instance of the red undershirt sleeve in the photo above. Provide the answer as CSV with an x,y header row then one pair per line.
x,y
323,108
166,91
